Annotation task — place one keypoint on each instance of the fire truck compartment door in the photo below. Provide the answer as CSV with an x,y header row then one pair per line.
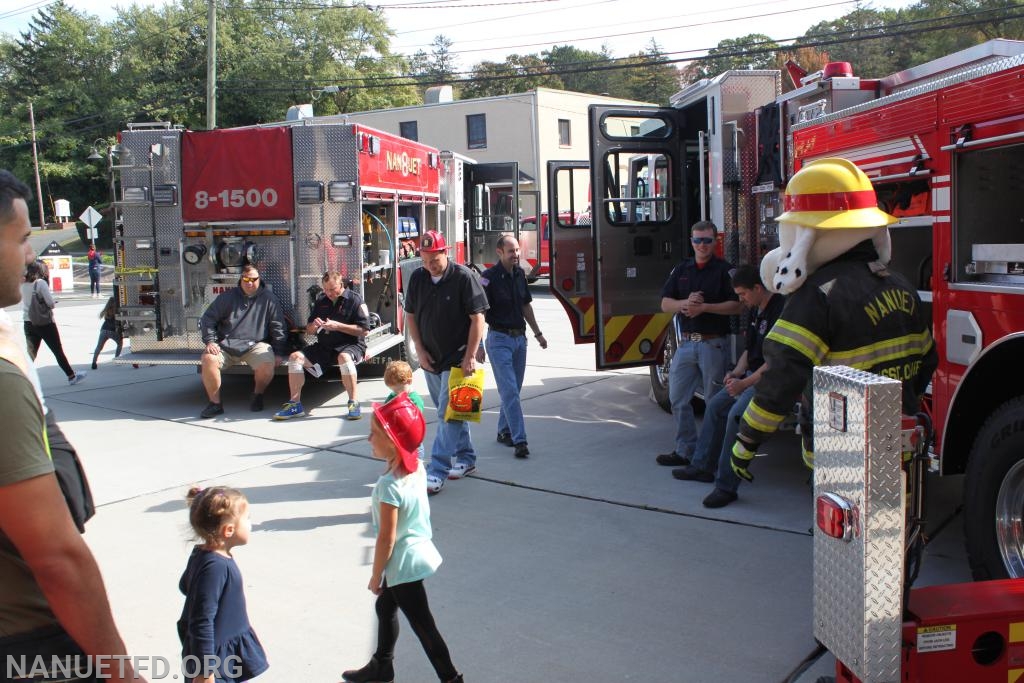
x,y
638,228
492,198
571,244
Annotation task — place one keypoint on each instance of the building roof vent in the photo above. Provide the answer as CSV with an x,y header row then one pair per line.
x,y
438,95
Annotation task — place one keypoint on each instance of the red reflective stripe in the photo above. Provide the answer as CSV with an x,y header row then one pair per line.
x,y
832,201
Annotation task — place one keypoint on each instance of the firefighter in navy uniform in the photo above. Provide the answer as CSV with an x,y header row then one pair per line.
x,y
850,311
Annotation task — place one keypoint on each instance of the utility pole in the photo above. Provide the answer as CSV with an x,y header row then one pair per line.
x,y
35,162
211,65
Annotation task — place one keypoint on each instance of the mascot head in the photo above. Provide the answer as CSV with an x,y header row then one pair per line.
x,y
830,207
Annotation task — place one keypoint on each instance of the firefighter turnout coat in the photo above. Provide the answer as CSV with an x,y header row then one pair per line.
x,y
851,311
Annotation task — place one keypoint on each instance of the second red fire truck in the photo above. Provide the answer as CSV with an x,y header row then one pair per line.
x,y
944,146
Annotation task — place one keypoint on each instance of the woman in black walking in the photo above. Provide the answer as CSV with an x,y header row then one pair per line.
x,y
37,307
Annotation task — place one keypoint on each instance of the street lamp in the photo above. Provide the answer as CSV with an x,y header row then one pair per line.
x,y
110,151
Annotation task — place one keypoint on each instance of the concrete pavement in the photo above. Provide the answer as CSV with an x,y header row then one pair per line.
x,y
586,562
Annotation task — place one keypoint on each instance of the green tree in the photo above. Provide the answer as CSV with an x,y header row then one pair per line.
x,y
753,51
575,68
864,38
518,73
645,77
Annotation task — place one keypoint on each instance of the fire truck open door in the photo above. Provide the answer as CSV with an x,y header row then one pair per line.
x,y
492,192
639,228
571,244
529,232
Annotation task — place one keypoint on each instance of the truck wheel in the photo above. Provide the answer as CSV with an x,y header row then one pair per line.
x,y
994,496
659,374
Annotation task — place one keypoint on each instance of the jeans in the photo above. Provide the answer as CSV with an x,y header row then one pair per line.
x,y
94,281
718,434
411,598
726,478
36,334
105,336
508,363
452,437
694,364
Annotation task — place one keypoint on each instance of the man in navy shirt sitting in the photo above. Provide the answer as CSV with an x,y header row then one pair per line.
x,y
510,311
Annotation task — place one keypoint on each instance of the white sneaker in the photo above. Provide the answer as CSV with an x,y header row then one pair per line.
x,y
460,470
78,377
315,370
434,484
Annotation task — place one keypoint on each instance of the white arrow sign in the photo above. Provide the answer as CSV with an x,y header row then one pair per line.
x,y
90,217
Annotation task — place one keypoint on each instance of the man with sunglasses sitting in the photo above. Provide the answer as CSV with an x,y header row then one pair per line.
x,y
242,325
700,295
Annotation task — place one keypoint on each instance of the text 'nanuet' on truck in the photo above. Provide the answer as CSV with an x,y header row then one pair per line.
x,y
943,144
295,199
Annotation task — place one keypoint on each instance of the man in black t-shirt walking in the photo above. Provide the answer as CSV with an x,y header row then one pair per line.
x,y
444,309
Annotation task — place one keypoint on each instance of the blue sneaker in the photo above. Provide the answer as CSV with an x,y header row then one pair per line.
x,y
291,409
354,411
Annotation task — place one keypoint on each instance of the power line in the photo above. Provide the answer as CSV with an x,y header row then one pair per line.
x,y
833,38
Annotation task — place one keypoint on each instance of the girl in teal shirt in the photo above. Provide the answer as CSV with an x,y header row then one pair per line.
x,y
404,553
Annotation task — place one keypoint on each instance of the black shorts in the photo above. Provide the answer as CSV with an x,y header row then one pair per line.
x,y
326,356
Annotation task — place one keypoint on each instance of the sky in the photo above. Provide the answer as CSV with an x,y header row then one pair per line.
x,y
491,29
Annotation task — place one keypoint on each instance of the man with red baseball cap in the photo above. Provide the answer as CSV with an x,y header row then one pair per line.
x,y
444,309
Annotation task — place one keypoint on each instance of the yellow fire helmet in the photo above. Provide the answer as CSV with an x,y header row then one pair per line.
x,y
832,194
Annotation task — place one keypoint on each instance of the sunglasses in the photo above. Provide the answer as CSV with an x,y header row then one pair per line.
x,y
250,280
702,240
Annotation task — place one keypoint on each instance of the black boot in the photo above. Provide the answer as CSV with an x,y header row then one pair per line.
x,y
374,672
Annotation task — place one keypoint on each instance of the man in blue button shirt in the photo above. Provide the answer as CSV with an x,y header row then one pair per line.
x,y
509,313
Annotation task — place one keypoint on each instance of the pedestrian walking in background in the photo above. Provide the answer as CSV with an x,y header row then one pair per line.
x,y
217,641
37,306
509,313
109,329
95,259
404,554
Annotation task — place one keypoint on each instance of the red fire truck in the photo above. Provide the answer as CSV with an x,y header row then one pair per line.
x,y
944,145
296,199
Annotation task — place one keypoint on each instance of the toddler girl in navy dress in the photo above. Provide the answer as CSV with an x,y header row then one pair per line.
x,y
218,644
404,554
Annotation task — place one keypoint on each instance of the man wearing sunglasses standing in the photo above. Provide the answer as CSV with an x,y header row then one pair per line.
x,y
700,295
242,325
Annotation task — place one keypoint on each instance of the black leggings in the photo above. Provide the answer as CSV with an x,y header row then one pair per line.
x,y
36,334
94,282
411,598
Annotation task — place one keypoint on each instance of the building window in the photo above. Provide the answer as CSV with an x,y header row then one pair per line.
x,y
564,133
476,131
408,130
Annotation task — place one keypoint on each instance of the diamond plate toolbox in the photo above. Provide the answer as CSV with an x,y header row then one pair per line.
x,y
858,583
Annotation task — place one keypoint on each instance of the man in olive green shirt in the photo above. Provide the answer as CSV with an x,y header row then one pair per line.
x,y
52,598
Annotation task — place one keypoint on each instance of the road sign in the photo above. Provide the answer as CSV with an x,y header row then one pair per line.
x,y
92,233
90,217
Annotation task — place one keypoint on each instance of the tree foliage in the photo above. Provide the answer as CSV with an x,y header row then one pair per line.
x,y
86,79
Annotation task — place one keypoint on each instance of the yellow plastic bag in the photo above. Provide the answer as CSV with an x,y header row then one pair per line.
x,y
465,396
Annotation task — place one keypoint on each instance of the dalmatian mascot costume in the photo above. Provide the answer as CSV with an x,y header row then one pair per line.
x,y
843,306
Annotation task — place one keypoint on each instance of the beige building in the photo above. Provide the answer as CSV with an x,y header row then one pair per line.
x,y
530,128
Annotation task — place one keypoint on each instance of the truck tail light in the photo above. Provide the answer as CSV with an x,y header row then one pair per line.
x,y
835,516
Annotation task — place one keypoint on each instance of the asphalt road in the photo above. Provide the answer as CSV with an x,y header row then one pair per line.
x,y
586,562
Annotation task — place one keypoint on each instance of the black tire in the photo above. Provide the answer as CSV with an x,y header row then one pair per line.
x,y
994,496
659,373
